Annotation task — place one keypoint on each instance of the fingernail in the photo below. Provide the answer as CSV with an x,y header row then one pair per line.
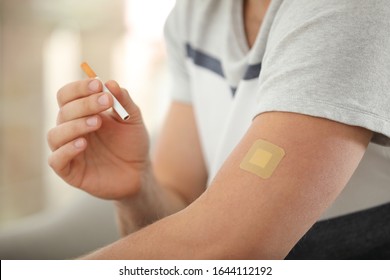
x,y
94,85
92,121
103,100
79,143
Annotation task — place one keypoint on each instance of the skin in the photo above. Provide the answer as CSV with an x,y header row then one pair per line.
x,y
254,12
164,209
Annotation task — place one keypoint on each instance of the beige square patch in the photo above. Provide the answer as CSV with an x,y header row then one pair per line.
x,y
262,158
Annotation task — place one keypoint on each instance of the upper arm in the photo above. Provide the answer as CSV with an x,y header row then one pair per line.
x,y
245,216
178,161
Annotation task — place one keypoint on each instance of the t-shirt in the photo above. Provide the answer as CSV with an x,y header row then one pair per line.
x,y
323,58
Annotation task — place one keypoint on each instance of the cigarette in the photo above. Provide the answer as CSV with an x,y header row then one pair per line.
x,y
117,106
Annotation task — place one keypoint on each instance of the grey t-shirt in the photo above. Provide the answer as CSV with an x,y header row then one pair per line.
x,y
324,58
331,59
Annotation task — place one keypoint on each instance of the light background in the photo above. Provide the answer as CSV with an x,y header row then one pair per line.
x,y
42,43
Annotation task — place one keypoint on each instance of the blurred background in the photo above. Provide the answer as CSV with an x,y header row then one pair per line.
x,y
42,43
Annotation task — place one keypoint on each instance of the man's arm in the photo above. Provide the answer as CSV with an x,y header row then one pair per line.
x,y
174,181
242,215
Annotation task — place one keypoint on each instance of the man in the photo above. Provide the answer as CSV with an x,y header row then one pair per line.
x,y
275,104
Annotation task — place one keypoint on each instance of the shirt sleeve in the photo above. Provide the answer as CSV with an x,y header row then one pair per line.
x,y
330,59
175,46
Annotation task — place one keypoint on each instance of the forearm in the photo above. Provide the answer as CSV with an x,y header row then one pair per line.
x,y
194,234
151,203
172,182
182,235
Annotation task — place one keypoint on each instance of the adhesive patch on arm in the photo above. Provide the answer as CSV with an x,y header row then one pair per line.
x,y
262,159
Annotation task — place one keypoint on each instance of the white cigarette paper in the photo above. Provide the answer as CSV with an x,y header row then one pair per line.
x,y
116,105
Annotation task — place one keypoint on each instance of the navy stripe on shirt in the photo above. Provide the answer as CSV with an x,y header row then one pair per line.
x,y
252,71
213,64
204,60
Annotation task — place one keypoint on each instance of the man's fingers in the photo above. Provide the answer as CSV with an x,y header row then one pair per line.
x,y
61,158
79,89
68,131
87,106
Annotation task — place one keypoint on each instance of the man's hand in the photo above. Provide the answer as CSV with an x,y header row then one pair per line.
x,y
92,148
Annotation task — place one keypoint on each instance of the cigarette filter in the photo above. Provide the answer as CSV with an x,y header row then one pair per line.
x,y
117,106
